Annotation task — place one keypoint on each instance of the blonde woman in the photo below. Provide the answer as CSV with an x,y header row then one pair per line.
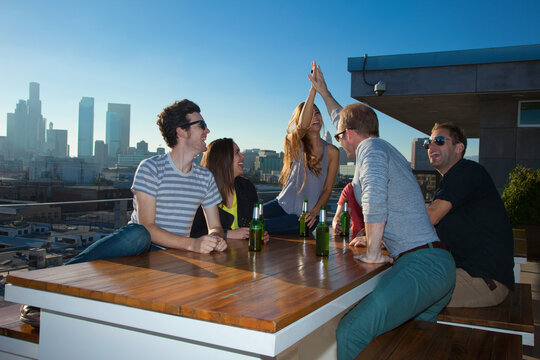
x,y
309,170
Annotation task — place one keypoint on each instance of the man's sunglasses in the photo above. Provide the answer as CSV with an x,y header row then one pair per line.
x,y
201,122
438,140
339,135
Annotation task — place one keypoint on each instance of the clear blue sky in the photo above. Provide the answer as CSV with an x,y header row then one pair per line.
x,y
243,62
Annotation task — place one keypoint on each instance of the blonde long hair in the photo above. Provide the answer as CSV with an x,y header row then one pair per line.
x,y
293,147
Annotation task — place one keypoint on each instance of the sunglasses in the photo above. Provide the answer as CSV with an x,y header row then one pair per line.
x,y
201,122
339,135
438,140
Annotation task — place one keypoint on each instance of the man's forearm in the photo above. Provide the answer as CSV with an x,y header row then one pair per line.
x,y
374,235
217,231
329,101
164,238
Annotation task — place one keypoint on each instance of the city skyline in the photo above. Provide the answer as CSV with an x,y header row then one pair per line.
x,y
247,75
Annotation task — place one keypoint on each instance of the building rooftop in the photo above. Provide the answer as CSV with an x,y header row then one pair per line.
x,y
447,58
425,88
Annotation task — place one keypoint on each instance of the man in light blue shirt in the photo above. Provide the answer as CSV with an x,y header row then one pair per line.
x,y
422,277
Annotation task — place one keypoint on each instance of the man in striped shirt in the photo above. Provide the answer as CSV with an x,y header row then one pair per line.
x,y
169,188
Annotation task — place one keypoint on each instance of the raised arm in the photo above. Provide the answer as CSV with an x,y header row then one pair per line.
x,y
306,116
146,215
318,83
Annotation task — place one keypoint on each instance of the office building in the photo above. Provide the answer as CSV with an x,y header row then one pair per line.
x,y
57,144
268,161
25,127
328,137
124,113
101,152
4,148
419,155
11,131
35,130
18,138
86,127
249,159
113,133
142,147
72,170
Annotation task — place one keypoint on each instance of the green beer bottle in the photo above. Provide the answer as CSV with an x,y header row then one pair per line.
x,y
345,219
303,229
261,220
322,235
255,230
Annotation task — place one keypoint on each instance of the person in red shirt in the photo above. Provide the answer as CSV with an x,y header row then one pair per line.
x,y
355,210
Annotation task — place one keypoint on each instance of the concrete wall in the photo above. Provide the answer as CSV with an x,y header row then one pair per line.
x,y
502,144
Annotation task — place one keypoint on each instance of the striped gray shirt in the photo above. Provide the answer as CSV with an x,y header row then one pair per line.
x,y
178,195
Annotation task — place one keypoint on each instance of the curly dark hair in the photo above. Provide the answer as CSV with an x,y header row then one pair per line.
x,y
172,117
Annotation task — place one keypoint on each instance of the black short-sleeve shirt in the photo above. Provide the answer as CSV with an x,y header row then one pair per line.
x,y
476,229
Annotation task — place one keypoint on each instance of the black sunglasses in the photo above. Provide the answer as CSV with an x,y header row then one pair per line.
x,y
340,134
201,122
438,140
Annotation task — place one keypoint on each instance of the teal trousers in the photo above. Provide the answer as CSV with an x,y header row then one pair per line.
x,y
419,285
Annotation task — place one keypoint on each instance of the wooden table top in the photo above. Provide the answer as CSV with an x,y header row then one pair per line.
x,y
263,291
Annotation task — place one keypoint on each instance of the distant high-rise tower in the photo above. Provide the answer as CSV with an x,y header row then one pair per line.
x,y
19,138
11,131
113,133
100,153
35,135
56,144
419,155
86,127
124,111
328,137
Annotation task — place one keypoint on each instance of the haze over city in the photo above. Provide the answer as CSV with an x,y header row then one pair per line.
x,y
245,63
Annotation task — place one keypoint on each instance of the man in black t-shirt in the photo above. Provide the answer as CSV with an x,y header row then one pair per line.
x,y
470,219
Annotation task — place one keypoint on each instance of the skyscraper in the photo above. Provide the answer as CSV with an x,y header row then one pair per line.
x,y
19,139
328,137
100,153
86,127
419,156
56,144
11,131
113,133
35,135
124,112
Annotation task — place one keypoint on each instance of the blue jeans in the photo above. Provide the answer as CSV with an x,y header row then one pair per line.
x,y
419,285
132,239
277,221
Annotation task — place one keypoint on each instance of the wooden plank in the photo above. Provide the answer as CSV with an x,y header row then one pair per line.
x,y
425,340
520,242
263,291
11,326
514,313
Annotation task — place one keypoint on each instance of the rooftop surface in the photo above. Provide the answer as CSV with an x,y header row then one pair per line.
x,y
447,58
